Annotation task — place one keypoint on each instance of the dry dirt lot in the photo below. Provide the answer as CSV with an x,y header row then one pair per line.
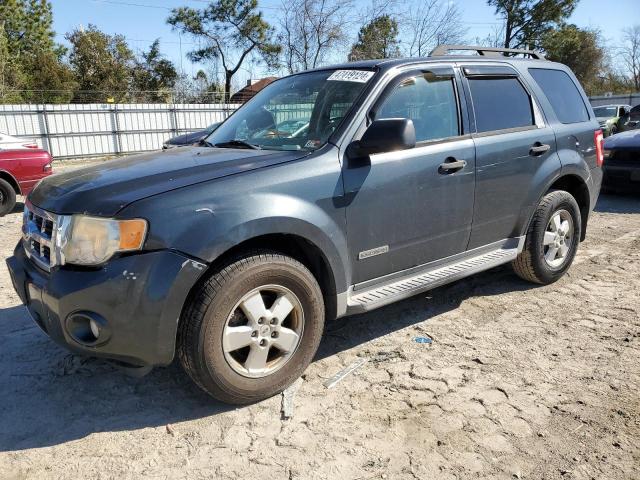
x,y
519,382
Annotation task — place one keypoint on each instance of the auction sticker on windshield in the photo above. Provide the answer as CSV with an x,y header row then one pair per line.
x,y
360,76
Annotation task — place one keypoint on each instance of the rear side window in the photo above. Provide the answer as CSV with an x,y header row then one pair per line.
x,y
500,103
563,95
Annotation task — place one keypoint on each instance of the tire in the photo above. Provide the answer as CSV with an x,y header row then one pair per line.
x,y
7,198
537,262
613,130
217,311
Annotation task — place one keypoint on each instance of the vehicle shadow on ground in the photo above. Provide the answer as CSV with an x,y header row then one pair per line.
x,y
18,207
49,397
618,203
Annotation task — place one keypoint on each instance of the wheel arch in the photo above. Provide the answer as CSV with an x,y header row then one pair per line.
x,y
577,187
293,245
11,180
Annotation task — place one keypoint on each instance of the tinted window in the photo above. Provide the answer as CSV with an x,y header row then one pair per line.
x,y
500,103
605,111
563,95
427,100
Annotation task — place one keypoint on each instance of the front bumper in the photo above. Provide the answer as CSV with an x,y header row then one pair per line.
x,y
624,178
138,297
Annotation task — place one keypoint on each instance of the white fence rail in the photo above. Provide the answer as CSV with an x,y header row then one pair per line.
x,y
70,131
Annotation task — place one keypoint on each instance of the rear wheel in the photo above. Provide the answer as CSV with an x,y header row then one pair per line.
x,y
7,197
252,328
552,239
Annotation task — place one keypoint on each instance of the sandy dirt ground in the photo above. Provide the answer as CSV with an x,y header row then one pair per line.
x,y
519,382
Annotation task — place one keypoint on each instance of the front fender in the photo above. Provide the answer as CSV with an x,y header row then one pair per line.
x,y
300,198
278,214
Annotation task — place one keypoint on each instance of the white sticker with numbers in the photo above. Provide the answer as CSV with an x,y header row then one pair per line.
x,y
359,76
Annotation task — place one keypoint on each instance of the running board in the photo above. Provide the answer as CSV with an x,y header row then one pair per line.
x,y
427,279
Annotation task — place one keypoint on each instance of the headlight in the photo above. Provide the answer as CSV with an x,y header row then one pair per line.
x,y
85,240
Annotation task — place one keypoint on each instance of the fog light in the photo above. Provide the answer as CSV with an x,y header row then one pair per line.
x,y
88,328
95,329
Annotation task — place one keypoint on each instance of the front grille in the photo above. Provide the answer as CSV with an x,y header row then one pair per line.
x,y
38,236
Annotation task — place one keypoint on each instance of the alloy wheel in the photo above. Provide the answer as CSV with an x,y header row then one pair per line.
x,y
558,238
263,331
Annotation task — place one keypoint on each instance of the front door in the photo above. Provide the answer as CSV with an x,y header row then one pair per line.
x,y
407,208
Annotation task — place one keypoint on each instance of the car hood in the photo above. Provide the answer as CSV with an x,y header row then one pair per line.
x,y
629,140
187,138
604,119
107,188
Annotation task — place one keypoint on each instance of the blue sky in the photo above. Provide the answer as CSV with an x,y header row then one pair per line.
x,y
142,21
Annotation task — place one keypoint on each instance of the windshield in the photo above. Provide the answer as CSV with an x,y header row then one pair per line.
x,y
605,111
299,112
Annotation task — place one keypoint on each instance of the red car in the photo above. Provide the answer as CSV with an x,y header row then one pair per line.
x,y
20,170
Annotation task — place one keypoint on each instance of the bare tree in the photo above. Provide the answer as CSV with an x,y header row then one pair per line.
x,y
429,23
310,29
495,38
631,54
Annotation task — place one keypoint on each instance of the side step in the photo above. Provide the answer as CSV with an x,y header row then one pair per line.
x,y
427,279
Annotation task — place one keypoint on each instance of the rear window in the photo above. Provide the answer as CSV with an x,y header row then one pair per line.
x,y
563,95
500,103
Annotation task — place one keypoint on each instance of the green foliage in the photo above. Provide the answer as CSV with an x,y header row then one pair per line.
x,y
154,75
27,25
377,39
102,63
30,61
577,48
526,21
10,72
231,31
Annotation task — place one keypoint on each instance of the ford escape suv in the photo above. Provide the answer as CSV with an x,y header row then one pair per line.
x,y
230,255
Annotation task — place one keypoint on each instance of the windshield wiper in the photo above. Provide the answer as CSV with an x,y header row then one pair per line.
x,y
238,144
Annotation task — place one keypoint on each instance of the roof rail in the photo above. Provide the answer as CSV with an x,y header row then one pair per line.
x,y
441,50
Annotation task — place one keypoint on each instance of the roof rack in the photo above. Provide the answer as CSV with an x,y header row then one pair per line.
x,y
441,50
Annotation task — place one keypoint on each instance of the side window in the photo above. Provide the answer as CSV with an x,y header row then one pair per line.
x,y
429,101
500,103
563,95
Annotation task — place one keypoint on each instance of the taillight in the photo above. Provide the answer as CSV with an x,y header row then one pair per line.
x,y
598,139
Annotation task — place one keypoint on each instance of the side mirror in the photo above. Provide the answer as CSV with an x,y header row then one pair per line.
x,y
385,135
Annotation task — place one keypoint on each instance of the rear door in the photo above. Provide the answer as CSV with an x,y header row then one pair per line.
x,y
407,207
515,150
573,124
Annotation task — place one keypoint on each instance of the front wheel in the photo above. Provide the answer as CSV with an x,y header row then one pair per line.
x,y
552,239
252,328
7,198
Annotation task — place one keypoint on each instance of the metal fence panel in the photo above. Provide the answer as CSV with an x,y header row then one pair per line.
x,y
81,130
632,99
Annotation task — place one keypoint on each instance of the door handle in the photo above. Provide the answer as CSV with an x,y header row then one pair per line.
x,y
451,165
538,149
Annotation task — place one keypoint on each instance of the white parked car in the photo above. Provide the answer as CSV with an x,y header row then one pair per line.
x,y
7,142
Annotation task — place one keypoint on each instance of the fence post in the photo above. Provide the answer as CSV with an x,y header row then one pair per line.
x,y
115,129
173,119
46,133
